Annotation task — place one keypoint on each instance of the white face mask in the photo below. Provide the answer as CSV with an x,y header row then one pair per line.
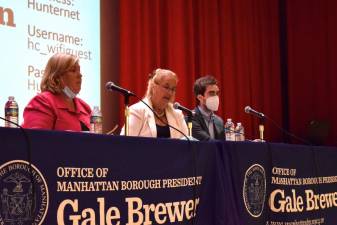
x,y
68,92
212,103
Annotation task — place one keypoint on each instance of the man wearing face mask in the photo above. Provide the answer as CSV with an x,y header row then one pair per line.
x,y
57,107
207,125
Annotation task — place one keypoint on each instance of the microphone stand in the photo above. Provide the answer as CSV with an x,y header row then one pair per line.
x,y
126,113
112,87
261,128
189,124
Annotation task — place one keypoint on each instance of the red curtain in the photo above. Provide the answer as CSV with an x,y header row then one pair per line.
x,y
312,67
237,41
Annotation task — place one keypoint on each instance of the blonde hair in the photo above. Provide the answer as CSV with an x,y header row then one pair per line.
x,y
156,75
57,65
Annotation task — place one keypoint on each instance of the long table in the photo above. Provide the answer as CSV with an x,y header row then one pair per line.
x,y
49,177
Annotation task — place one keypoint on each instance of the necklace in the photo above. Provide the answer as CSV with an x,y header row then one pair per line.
x,y
160,114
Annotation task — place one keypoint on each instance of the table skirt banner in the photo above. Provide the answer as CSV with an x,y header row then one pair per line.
x,y
69,178
276,184
99,179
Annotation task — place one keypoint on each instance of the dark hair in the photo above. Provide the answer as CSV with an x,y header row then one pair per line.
x,y
201,84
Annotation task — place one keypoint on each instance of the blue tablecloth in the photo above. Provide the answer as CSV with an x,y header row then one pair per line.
x,y
81,178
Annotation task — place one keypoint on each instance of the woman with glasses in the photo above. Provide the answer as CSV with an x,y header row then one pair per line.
x,y
57,107
159,96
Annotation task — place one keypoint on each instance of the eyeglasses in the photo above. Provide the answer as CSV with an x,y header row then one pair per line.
x,y
167,88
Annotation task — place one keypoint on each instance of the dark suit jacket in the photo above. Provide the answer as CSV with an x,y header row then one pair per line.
x,y
200,129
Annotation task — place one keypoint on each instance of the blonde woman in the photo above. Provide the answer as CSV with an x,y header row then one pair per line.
x,y
159,96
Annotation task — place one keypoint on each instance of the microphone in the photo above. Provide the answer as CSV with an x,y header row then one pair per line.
x,y
249,110
176,105
111,86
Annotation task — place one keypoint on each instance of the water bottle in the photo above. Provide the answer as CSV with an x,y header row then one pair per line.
x,y
96,121
11,112
239,132
229,130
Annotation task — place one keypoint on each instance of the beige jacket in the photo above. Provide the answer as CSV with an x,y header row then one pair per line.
x,y
142,121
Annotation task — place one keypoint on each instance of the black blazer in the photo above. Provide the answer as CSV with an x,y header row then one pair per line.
x,y
200,129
